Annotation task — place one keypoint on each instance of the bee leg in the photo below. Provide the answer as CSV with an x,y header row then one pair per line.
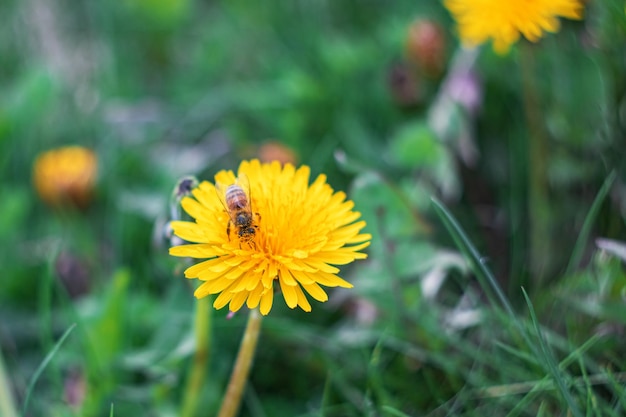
x,y
228,230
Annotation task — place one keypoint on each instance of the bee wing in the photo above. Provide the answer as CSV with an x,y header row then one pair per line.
x,y
243,181
220,189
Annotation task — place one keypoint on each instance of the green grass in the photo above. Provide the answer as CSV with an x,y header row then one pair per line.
x,y
453,313
42,366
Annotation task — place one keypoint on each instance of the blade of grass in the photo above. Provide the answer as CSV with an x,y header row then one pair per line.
x,y
524,356
542,410
375,384
477,262
486,277
42,366
550,361
592,404
518,388
583,236
522,404
7,402
619,391
393,412
484,274
544,384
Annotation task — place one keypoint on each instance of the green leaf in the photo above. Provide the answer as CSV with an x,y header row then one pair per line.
x,y
386,209
106,334
416,146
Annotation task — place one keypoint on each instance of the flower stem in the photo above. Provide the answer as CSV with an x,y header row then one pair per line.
x,y
538,153
198,369
239,376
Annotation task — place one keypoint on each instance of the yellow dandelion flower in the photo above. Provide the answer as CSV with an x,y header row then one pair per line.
x,y
66,175
292,233
504,20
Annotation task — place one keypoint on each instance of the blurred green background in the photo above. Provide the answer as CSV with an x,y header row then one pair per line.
x,y
378,96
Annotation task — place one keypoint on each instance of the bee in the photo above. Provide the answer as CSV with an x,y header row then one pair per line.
x,y
236,200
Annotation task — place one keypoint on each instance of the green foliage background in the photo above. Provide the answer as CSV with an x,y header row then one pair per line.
x,y
437,323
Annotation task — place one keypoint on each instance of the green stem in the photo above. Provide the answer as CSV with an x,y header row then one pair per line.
x,y
538,152
239,376
197,373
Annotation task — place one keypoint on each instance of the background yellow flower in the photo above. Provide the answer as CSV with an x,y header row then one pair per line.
x,y
302,230
503,21
66,175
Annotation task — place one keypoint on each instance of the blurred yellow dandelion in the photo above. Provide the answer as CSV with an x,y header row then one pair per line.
x,y
293,234
66,175
504,20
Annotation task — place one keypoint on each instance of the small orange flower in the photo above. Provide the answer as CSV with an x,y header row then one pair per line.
x,y
66,175
276,151
293,235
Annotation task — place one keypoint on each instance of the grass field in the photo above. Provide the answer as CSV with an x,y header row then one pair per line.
x,y
493,186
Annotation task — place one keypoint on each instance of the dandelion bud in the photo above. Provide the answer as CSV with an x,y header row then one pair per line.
x,y
426,46
276,151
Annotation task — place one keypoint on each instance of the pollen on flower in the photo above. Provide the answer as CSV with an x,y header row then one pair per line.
x,y
294,234
503,21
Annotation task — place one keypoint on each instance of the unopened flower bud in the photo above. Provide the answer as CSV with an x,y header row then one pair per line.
x,y
276,151
426,46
